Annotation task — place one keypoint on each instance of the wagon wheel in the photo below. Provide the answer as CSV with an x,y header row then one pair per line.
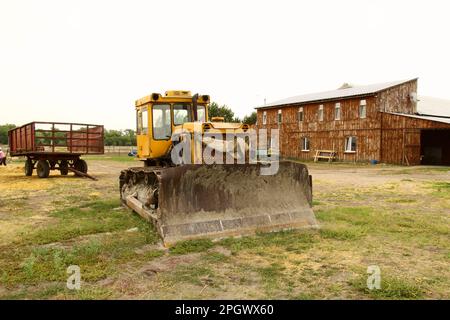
x,y
81,165
43,169
28,168
64,167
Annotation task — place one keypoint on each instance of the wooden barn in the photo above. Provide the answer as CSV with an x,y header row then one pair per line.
x,y
378,122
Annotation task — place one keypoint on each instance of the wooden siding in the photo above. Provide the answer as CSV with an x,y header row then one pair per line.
x,y
400,141
396,99
328,134
380,136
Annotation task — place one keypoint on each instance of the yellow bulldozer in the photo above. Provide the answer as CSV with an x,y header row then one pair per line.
x,y
199,181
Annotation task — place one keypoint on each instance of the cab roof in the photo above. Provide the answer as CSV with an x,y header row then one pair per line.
x,y
170,97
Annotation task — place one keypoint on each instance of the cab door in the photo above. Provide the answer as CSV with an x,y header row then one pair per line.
x,y
160,129
142,136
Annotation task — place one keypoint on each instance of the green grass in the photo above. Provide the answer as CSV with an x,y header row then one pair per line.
x,y
304,296
416,170
60,291
293,240
88,294
342,234
441,189
353,223
272,276
31,260
44,293
96,259
391,288
216,257
191,246
87,219
357,216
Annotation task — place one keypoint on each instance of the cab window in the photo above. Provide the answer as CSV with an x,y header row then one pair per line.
x,y
181,114
162,128
201,114
142,121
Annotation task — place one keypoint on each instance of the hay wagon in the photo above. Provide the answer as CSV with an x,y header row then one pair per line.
x,y
56,146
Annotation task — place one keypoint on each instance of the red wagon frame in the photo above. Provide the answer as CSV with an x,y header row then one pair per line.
x,y
48,147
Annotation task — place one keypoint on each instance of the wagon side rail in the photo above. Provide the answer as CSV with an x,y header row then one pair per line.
x,y
56,137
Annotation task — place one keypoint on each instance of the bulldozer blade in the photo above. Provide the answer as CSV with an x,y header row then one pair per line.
x,y
198,201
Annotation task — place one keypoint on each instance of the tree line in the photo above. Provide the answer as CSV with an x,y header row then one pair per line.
x,y
4,132
120,137
215,110
128,137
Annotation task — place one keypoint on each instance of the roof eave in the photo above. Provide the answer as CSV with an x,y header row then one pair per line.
x,y
316,101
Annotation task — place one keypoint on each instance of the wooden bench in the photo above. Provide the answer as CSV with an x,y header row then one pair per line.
x,y
330,155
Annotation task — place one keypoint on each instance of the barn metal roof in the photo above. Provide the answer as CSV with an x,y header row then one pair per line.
x,y
336,94
433,106
431,118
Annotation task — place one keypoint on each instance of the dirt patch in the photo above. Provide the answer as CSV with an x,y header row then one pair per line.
x,y
169,263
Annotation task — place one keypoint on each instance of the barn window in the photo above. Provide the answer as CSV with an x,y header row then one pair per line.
x,y
279,116
337,111
350,144
305,144
265,117
362,109
300,114
321,112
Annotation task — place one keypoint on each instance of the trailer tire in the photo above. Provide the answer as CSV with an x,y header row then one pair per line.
x,y
43,169
64,167
28,168
81,165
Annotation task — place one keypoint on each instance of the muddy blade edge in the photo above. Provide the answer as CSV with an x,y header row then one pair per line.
x,y
199,201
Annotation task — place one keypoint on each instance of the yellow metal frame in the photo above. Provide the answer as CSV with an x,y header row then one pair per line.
x,y
148,147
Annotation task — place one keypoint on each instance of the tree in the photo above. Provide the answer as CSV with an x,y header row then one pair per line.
x,y
131,136
251,119
4,132
221,111
120,138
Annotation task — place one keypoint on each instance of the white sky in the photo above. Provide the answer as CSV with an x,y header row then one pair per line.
x,y
88,61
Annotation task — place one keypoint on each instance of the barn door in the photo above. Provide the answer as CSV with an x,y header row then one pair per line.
x,y
411,147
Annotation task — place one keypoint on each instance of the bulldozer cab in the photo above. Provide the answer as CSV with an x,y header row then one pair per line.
x,y
158,116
